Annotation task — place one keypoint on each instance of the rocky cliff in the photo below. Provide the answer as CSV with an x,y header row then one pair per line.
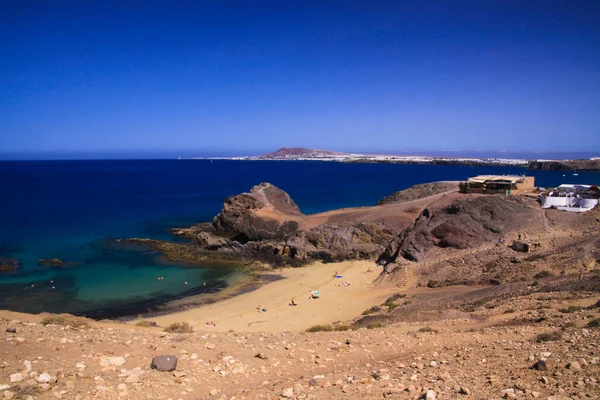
x,y
239,220
566,165
266,224
462,224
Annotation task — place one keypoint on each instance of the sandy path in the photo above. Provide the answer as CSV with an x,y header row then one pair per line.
x,y
240,313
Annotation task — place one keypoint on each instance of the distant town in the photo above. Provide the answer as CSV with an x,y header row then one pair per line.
x,y
307,154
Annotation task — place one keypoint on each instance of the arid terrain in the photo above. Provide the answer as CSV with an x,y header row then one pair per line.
x,y
436,299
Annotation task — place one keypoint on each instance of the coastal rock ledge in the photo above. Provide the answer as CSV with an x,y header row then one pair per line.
x,y
418,224
265,224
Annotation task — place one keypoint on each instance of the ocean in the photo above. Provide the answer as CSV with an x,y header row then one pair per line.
x,y
74,210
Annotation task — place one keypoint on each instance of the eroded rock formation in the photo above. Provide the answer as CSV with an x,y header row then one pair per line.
x,y
265,223
462,224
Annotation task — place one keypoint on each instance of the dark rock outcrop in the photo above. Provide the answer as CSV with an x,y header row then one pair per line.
x,y
265,224
419,191
463,224
238,220
521,247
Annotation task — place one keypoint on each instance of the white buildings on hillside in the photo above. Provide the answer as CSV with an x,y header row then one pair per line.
x,y
571,197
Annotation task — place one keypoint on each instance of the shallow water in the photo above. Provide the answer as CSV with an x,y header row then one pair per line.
x,y
72,210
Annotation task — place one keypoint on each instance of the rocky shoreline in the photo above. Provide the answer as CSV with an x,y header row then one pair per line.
x,y
264,227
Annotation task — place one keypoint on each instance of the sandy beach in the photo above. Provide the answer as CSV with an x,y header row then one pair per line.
x,y
337,302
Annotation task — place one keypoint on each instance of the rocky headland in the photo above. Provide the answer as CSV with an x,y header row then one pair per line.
x,y
566,165
266,225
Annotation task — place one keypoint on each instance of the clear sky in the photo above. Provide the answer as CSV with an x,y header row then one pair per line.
x,y
242,77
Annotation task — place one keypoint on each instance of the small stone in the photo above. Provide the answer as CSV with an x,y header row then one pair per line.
x,y
546,354
545,380
575,366
44,387
132,378
14,378
44,378
122,386
210,346
20,339
178,374
11,330
464,390
287,393
4,387
509,393
164,363
239,369
112,361
213,392
80,366
8,395
540,366
430,395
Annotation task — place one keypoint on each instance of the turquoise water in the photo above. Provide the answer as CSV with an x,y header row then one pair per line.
x,y
73,210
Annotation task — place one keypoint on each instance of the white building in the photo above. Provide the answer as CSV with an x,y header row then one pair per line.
x,y
571,197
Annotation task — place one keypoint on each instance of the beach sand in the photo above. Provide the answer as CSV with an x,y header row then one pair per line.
x,y
337,303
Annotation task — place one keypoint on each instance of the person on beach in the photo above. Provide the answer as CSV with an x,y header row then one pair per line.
x,y
293,302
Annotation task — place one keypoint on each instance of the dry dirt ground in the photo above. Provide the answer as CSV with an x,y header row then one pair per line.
x,y
459,358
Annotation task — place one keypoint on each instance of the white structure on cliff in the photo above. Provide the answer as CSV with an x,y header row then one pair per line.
x,y
571,197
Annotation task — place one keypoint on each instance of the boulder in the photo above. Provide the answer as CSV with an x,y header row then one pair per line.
x,y
164,363
210,241
521,247
540,366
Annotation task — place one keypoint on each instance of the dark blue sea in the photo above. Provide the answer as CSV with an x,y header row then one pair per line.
x,y
73,210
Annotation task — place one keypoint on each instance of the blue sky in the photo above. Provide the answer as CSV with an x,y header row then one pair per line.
x,y
245,77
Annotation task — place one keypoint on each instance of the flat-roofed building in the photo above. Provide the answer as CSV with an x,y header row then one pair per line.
x,y
494,184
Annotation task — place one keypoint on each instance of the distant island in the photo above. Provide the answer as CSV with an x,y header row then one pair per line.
x,y
308,154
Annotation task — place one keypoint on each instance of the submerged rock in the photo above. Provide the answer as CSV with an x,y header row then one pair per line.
x,y
9,264
54,262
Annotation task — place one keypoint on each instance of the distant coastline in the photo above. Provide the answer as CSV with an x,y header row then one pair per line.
x,y
307,154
